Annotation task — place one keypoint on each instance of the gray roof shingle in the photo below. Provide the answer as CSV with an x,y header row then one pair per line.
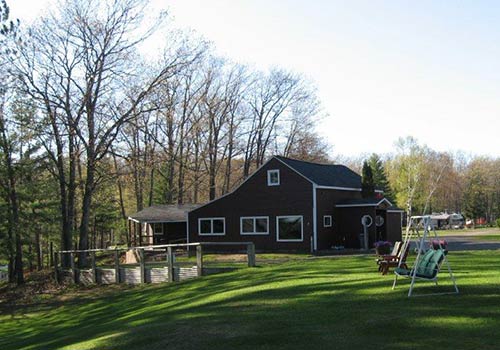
x,y
164,213
332,175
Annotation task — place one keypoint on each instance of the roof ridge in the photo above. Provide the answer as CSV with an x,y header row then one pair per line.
x,y
307,161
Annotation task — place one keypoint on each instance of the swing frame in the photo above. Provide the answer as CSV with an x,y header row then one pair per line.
x,y
411,230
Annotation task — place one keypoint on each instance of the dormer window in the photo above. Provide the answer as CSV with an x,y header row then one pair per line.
x,y
273,177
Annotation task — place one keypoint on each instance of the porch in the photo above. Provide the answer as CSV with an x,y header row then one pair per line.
x,y
159,224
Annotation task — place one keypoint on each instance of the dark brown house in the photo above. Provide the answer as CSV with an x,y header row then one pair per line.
x,y
291,205
295,205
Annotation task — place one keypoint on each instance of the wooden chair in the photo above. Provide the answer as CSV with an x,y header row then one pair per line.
x,y
391,256
386,264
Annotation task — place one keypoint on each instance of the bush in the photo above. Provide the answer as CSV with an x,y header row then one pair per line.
x,y
498,222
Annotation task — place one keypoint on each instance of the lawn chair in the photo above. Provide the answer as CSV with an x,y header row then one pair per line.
x,y
392,255
394,261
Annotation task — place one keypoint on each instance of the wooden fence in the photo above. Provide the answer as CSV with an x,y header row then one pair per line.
x,y
143,272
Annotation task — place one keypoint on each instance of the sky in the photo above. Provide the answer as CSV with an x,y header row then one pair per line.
x,y
383,69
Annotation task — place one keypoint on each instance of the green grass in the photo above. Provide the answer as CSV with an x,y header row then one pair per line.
x,y
324,303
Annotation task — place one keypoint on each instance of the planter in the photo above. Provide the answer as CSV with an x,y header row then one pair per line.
x,y
383,247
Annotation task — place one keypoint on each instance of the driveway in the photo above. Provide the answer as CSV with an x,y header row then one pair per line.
x,y
467,241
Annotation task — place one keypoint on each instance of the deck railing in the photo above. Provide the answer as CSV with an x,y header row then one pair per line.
x,y
167,270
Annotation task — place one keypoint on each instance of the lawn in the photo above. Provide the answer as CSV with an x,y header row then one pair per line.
x,y
319,303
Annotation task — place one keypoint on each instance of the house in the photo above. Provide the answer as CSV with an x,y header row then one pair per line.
x,y
291,205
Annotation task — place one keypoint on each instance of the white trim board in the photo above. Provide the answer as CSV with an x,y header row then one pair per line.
x,y
363,205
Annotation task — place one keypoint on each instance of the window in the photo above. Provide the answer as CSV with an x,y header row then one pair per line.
x,y
379,221
273,177
289,228
158,229
211,227
327,221
258,225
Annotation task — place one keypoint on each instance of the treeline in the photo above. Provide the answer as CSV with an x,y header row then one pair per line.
x,y
422,181
94,126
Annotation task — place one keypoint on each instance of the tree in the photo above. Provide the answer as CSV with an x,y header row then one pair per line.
x,y
367,183
79,65
379,176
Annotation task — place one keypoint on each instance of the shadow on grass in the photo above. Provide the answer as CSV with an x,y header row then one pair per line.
x,y
323,303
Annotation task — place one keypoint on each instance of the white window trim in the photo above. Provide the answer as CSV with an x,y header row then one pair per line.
x,y
254,218
269,172
212,227
301,228
331,220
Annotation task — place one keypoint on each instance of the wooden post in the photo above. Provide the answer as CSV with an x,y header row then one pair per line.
x,y
199,260
143,267
251,254
56,273
94,268
117,267
72,265
170,266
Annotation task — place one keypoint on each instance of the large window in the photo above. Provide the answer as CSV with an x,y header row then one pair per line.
x,y
289,228
254,225
273,177
212,227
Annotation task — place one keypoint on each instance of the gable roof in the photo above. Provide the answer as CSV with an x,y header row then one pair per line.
x,y
330,175
163,213
364,202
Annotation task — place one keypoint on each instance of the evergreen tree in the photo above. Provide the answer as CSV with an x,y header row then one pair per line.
x,y
379,176
367,184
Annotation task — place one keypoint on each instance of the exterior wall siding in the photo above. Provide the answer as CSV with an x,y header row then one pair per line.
x,y
326,200
394,228
255,198
350,223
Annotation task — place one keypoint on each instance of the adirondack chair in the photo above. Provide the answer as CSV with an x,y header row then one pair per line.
x,y
386,264
391,256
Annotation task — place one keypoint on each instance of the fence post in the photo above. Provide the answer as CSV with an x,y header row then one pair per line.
x,y
199,260
143,267
72,265
94,268
170,266
117,267
251,254
56,273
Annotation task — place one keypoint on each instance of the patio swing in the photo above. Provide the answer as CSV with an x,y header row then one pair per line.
x,y
428,263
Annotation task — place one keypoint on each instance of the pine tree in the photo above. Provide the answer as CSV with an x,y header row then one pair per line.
x,y
379,176
367,184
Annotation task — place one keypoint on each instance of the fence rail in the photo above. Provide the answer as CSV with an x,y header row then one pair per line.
x,y
170,271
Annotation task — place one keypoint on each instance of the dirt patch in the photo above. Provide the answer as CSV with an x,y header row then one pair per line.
x,y
40,288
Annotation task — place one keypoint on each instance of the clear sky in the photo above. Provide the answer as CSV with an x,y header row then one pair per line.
x,y
383,69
